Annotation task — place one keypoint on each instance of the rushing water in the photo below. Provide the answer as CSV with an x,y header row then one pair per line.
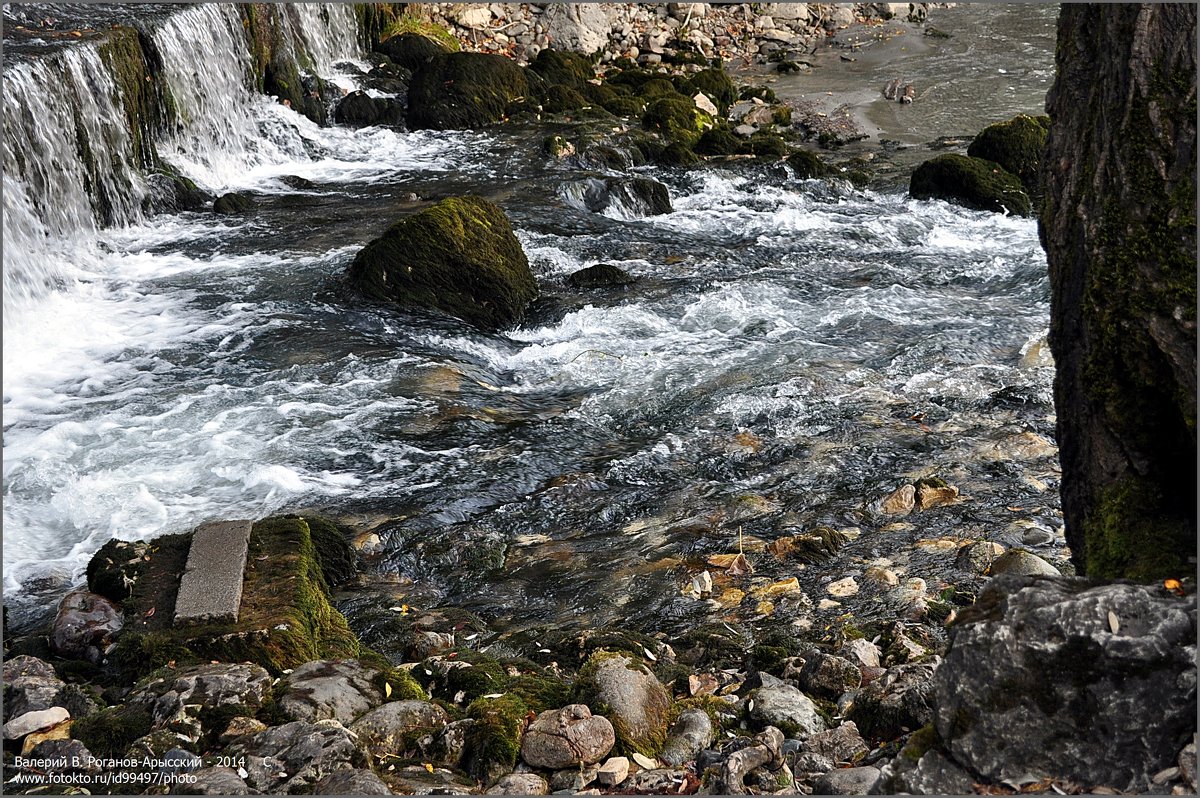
x,y
793,351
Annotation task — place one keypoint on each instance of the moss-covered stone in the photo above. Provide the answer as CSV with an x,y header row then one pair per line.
x,y
142,94
410,50
971,182
1016,145
601,275
459,256
285,616
676,154
718,140
677,119
493,741
563,68
459,91
624,105
622,689
560,99
656,87
276,70
717,86
767,145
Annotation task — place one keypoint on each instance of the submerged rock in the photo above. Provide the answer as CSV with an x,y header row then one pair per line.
x,y
1093,684
631,197
459,256
970,182
602,275
234,203
457,91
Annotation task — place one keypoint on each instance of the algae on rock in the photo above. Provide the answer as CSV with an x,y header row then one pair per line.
x,y
459,256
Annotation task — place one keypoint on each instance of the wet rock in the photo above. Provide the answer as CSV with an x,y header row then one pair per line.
x,y
395,727
457,91
293,757
567,737
177,702
630,197
31,722
786,708
977,557
1018,562
459,256
934,493
351,782
842,588
846,781
899,701
519,784
970,182
76,758
30,685
338,689
638,706
234,203
901,501
842,744
213,781
1092,684
172,193
85,626
829,676
602,275
450,744
691,732
359,109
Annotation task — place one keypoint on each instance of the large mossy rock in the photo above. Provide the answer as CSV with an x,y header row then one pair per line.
x,y
1119,228
458,91
626,692
676,118
1017,145
411,50
285,618
459,256
1094,684
970,182
274,63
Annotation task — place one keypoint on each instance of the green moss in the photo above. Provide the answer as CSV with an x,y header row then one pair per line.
x,y
411,23
539,692
648,740
1127,536
657,87
337,559
718,140
459,91
563,68
459,256
717,86
971,182
110,731
493,741
480,676
560,99
719,712
632,77
1017,145
403,686
807,165
676,154
625,105
919,742
677,119
764,93
767,145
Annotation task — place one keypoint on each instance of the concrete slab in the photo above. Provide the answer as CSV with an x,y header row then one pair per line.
x,y
211,587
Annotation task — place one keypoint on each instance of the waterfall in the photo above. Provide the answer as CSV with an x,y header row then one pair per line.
x,y
69,162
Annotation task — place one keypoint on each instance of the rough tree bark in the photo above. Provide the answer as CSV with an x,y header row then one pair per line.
x,y
1119,229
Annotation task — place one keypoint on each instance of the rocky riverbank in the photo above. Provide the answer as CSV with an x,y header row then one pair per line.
x,y
286,699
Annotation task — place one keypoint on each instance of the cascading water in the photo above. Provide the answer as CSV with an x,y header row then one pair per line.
x,y
800,343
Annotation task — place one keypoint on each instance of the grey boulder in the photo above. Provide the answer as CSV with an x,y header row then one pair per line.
x,y
393,727
567,737
340,689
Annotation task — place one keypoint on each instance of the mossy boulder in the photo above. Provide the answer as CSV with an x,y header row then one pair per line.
x,y
235,203
624,105
457,91
411,50
970,182
767,145
626,692
358,109
285,617
717,86
657,87
718,141
274,63
1016,145
560,99
563,68
459,256
493,741
601,275
677,154
807,165
676,118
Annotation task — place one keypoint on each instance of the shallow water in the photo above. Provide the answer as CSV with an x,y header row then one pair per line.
x,y
793,351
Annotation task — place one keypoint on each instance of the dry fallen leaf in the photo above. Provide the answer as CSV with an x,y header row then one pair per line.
x,y
1114,623
387,690
740,566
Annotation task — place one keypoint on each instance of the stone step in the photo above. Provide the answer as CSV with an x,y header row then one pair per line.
x,y
211,587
